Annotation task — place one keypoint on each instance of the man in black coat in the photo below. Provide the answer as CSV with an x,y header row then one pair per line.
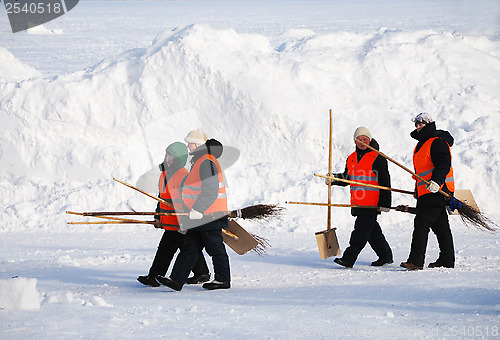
x,y
365,165
432,161
202,230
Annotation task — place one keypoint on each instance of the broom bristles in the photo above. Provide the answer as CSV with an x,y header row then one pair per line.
x,y
263,244
261,211
471,216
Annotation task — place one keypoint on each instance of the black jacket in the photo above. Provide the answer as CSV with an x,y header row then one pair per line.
x,y
384,179
209,185
441,159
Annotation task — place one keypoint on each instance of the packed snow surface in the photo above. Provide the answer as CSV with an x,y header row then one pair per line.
x,y
99,93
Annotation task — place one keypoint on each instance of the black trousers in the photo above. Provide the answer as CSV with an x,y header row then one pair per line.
x,y
194,242
170,242
434,218
367,229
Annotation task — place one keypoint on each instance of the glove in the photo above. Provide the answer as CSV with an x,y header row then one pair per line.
x,y
195,215
385,209
432,187
328,180
455,204
157,224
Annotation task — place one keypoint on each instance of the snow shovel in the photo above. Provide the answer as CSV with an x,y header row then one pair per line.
x,y
328,244
239,240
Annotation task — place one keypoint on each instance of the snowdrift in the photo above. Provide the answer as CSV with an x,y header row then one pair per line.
x,y
63,138
19,293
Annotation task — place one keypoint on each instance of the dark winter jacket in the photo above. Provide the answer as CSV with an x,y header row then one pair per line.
x,y
210,183
440,157
384,179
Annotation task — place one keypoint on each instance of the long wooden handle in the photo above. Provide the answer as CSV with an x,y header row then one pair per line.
x,y
366,184
401,166
117,220
145,193
132,213
110,218
338,205
329,218
112,222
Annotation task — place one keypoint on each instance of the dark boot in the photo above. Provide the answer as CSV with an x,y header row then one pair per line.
x,y
216,285
166,281
439,264
148,280
342,262
195,279
381,262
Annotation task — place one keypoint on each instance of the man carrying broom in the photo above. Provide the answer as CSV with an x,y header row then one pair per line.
x,y
432,162
204,194
173,174
366,166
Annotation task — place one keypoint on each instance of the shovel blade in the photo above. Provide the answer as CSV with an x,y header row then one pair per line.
x,y
245,241
328,244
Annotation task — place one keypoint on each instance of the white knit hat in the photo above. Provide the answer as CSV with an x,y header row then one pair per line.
x,y
362,131
422,117
196,137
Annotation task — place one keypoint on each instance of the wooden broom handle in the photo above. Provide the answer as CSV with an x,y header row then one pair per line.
x,y
329,216
401,166
117,220
366,184
145,193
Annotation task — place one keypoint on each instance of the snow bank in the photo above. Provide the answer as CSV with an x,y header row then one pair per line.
x,y
19,293
64,138
11,69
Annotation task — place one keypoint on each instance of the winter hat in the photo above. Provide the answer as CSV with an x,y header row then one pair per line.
x,y
422,117
362,131
179,152
196,137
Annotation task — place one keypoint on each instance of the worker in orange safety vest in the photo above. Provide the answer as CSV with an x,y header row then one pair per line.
x,y
432,161
204,194
366,166
173,175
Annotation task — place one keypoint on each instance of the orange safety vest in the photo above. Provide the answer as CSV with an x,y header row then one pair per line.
x,y
192,187
362,172
170,192
423,167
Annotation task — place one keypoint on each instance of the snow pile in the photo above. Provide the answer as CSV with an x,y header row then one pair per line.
x,y
63,138
19,293
271,102
41,29
12,69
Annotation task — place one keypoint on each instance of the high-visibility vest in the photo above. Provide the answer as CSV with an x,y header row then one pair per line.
x,y
362,172
170,192
423,167
192,187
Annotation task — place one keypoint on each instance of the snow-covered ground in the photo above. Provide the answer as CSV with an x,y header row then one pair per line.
x,y
100,92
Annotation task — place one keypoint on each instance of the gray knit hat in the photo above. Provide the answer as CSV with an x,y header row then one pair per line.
x,y
362,131
422,117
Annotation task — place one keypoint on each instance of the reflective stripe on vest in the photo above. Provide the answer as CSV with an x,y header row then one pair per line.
x,y
424,167
171,193
363,172
192,187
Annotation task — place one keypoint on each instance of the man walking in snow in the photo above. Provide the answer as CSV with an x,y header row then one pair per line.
x,y
432,161
204,194
173,174
368,167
